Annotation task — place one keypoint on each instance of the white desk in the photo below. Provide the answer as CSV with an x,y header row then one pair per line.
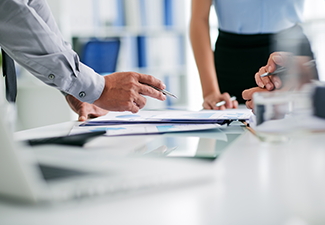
x,y
256,183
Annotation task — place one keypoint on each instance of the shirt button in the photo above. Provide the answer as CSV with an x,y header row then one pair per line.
x,y
82,94
51,76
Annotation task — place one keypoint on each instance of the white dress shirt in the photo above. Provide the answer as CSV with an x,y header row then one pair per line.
x,y
258,16
29,34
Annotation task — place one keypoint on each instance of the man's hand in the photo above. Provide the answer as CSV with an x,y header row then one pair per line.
x,y
300,70
248,96
272,82
268,83
84,109
211,100
124,91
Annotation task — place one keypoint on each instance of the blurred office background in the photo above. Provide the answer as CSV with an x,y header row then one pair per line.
x,y
147,36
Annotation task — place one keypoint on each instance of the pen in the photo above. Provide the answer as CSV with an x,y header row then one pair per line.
x,y
163,91
283,69
277,71
233,98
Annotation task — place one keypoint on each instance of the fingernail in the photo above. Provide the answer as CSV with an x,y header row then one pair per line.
x,y
268,86
261,85
269,69
277,59
164,86
82,118
277,84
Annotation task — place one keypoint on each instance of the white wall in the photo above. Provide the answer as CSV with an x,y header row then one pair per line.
x,y
315,30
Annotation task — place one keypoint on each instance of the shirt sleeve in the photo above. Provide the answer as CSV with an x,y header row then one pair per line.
x,y
30,36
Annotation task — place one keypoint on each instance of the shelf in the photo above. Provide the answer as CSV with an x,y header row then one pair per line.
x,y
128,31
153,35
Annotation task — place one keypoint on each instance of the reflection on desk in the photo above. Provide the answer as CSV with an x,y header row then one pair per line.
x,y
205,144
256,183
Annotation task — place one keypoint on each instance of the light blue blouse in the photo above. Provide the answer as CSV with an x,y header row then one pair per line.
x,y
258,16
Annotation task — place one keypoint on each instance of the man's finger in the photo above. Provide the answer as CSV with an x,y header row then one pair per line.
x,y
259,80
82,115
140,101
249,104
280,58
276,81
132,107
147,79
266,81
151,92
248,93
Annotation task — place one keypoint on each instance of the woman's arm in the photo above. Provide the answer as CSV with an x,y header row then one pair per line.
x,y
201,44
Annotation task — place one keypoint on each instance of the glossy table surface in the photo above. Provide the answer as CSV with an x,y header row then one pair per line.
x,y
255,183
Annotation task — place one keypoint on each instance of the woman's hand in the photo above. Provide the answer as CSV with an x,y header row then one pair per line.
x,y
212,99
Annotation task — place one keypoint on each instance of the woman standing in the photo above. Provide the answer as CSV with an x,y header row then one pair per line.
x,y
249,31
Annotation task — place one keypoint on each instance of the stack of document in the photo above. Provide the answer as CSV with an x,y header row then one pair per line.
x,y
158,122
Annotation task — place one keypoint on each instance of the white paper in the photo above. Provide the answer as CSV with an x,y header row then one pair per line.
x,y
136,129
174,116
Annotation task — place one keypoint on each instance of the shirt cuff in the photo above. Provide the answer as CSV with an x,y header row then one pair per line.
x,y
87,86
